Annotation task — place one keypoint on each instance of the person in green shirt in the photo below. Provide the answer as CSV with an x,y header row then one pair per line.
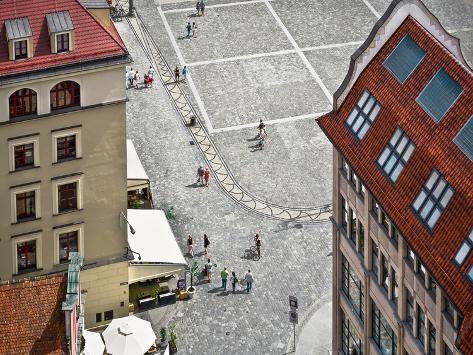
x,y
224,276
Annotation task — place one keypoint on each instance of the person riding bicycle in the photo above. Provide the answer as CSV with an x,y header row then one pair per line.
x,y
258,243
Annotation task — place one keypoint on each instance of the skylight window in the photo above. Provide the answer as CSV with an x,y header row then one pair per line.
x,y
464,139
433,199
404,59
470,274
396,154
363,115
465,249
439,95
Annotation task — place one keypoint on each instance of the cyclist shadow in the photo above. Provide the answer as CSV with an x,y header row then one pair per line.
x,y
250,255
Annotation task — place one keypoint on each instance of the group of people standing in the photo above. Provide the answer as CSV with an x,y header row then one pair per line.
x,y
203,175
190,245
177,71
200,7
133,78
247,279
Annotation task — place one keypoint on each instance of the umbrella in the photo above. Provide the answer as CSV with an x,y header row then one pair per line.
x,y
93,343
128,336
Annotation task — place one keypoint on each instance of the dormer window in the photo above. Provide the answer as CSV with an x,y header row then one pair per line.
x,y
62,42
21,49
60,29
19,34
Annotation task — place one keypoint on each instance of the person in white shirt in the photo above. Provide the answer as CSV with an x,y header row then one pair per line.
x,y
249,281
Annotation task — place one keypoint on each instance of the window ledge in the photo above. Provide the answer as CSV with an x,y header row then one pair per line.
x,y
29,271
66,160
24,169
26,220
68,211
65,109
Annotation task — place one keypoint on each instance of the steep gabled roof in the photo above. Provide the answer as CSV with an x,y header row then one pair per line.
x,y
92,41
32,321
435,146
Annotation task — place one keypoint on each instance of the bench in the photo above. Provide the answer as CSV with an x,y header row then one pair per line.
x,y
143,301
168,297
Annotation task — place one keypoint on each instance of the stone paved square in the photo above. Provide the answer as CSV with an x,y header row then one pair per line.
x,y
245,91
315,23
294,169
331,64
228,32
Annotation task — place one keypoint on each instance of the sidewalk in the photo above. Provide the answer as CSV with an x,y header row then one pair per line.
x,y
316,335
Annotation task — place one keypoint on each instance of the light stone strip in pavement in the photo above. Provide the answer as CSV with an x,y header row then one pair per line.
x,y
199,101
372,9
222,174
300,52
270,54
217,5
269,122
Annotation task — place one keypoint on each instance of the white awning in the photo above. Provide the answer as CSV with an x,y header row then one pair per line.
x,y
135,173
155,243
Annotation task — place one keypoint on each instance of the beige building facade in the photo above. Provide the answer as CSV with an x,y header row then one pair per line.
x,y
63,166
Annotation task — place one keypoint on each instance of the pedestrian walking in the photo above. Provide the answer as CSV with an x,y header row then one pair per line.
x,y
188,28
233,281
176,74
194,30
190,246
202,7
258,244
131,76
200,174
137,79
151,72
206,243
224,276
184,72
249,281
206,176
197,7
209,270
262,129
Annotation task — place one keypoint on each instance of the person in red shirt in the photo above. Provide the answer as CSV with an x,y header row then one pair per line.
x,y
206,176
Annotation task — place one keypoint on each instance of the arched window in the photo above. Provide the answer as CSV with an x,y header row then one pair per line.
x,y
65,94
22,103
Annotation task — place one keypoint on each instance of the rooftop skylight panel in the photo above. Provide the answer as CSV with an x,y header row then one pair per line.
x,y
432,199
404,59
439,95
396,154
363,115
465,249
464,139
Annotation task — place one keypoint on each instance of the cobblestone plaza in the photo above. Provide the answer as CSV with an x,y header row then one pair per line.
x,y
279,61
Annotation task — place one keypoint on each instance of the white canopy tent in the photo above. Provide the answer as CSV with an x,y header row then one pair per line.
x,y
135,173
154,242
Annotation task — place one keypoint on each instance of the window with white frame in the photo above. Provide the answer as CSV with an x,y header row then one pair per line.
x,y
67,194
433,199
25,203
363,115
27,253
67,145
68,239
465,249
396,154
23,153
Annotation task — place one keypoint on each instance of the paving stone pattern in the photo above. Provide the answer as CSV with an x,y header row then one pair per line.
x,y
217,322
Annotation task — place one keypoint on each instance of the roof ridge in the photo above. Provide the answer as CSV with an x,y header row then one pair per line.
x,y
121,45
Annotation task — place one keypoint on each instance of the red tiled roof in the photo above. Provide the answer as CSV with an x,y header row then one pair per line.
x,y
92,40
434,149
31,319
